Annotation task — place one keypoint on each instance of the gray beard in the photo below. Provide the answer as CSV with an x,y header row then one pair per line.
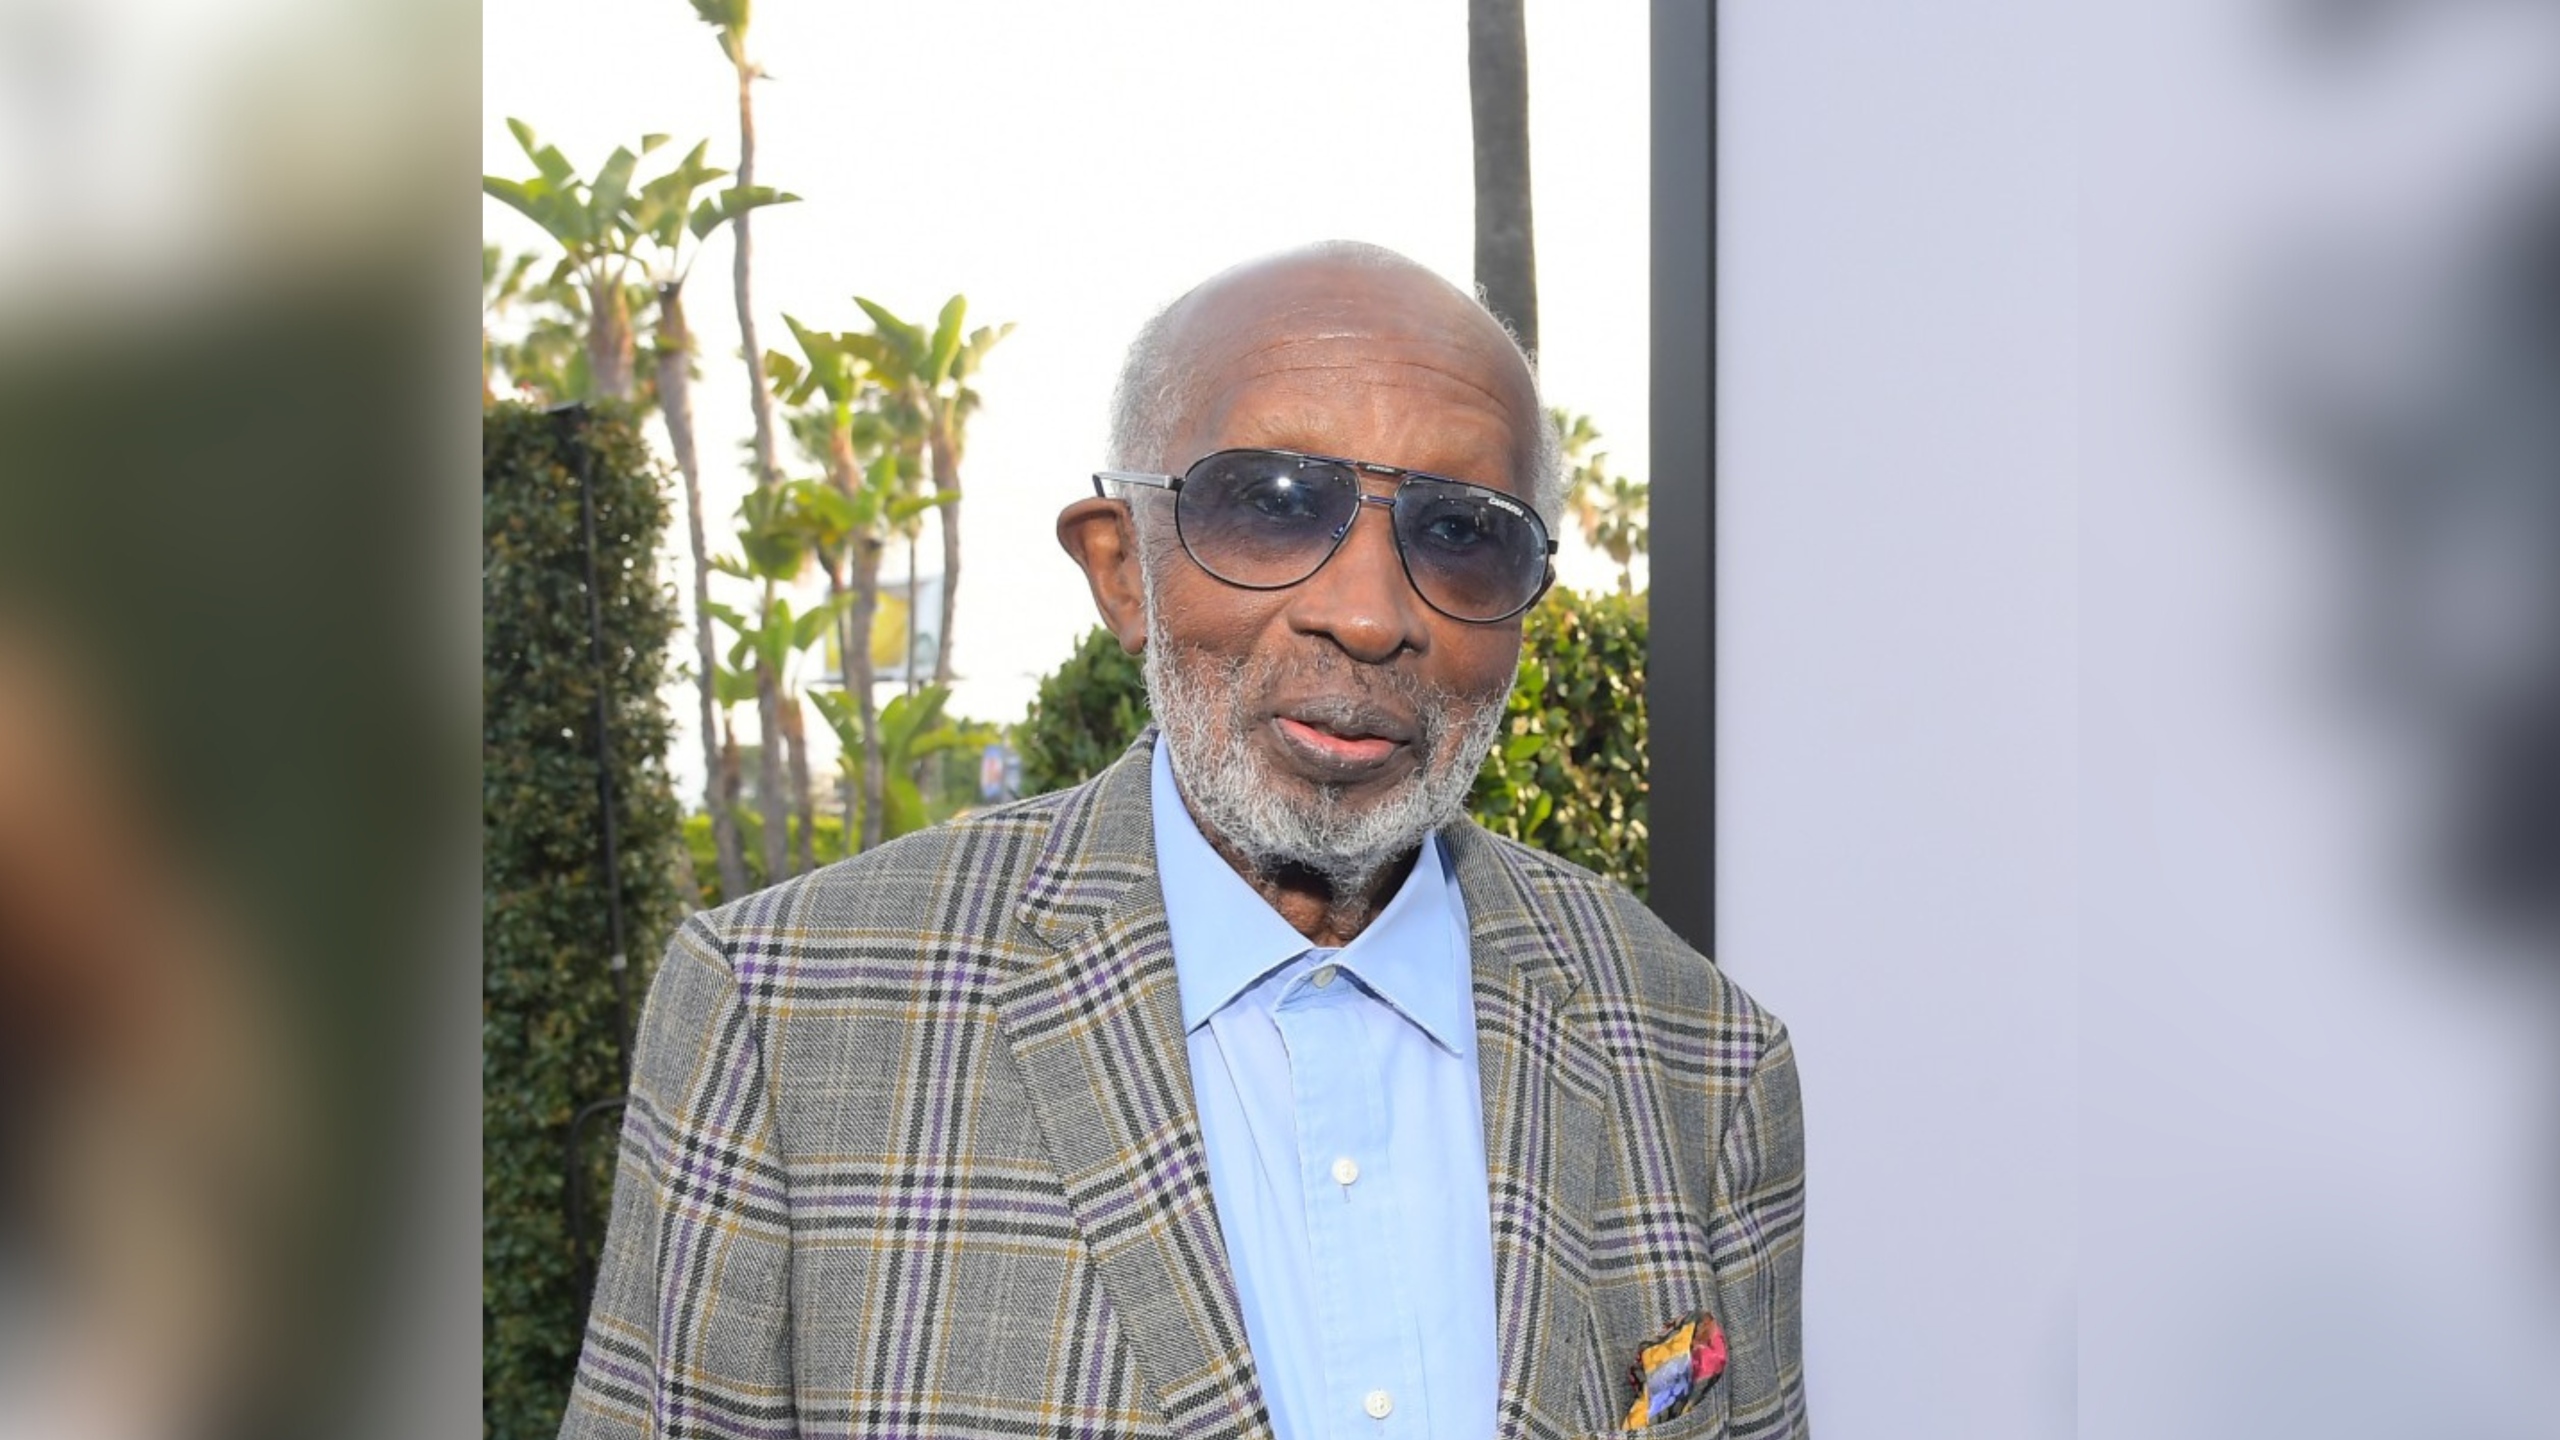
x,y
1197,700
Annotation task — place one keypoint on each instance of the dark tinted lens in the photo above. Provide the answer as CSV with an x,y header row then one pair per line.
x,y
1259,518
1475,553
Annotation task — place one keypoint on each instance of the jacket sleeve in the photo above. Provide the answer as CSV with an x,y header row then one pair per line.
x,y
689,1332
1758,1242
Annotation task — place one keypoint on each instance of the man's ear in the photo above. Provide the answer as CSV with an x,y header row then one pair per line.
x,y
1103,537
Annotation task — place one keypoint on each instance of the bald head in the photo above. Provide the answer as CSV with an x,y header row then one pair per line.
x,y
1303,308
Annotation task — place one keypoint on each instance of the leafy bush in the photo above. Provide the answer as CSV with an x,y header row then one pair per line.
x,y
1083,716
548,1011
915,737
826,846
1567,776
923,743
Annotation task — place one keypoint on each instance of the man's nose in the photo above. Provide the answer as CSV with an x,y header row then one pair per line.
x,y
1361,598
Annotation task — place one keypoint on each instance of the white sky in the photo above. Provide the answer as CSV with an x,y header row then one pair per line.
x,y
1070,168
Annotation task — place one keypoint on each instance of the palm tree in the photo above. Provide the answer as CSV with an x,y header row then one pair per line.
x,y
585,218
502,288
1586,466
770,640
1622,531
1610,510
665,216
545,363
931,372
848,426
733,686
729,20
1498,92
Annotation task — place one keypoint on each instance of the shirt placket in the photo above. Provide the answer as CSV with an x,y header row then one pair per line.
x,y
1372,1384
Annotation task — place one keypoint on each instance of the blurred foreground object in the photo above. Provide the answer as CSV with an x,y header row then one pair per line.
x,y
2408,339
2320,1004
236,687
144,1120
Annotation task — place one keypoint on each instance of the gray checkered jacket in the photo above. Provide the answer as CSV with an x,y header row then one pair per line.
x,y
911,1151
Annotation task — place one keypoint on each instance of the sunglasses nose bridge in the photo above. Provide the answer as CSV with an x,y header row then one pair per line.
x,y
1360,497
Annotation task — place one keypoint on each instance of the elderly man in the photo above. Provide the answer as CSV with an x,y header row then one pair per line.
x,y
1247,1089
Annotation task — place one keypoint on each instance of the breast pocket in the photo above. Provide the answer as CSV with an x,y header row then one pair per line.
x,y
1705,1421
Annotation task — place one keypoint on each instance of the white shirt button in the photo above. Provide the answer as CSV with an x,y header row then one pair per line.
x,y
1346,1170
1378,1404
1322,975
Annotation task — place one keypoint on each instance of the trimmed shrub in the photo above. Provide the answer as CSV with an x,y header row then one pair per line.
x,y
1084,715
1567,776
548,1009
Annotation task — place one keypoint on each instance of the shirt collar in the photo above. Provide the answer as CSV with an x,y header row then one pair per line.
x,y
1226,936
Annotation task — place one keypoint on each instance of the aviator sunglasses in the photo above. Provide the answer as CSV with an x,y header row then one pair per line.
x,y
1268,519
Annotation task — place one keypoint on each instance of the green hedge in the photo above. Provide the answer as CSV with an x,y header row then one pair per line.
x,y
1568,775
548,1008
1083,716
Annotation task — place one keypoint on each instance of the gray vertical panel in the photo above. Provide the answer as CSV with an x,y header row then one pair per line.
x,y
1898,452
1680,676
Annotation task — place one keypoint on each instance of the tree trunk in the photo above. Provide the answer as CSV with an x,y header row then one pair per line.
x,y
914,621
760,396
861,804
1498,89
857,673
944,445
675,407
849,763
609,353
771,801
742,229
927,782
795,734
732,780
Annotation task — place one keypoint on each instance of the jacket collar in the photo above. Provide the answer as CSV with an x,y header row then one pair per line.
x,y
1095,1024
1102,842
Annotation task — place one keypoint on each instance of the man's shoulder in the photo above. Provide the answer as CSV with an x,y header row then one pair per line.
x,y
1619,948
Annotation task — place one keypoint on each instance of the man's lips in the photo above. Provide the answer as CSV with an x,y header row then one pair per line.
x,y
1355,750
1348,742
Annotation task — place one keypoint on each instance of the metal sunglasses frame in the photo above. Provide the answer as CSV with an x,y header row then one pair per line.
x,y
1172,484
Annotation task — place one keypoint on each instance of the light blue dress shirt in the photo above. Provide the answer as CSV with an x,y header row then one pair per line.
x,y
1339,1103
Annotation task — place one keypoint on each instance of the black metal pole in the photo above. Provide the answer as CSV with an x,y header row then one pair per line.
x,y
1680,677
582,1241
573,420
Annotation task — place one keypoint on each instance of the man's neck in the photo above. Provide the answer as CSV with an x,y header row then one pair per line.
x,y
1309,900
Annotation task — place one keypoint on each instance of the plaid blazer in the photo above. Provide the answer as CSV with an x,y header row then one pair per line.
x,y
912,1151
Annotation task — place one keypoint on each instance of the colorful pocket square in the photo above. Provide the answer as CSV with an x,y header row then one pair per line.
x,y
1673,1369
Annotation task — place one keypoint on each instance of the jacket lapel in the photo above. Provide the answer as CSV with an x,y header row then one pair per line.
x,y
1545,1084
1096,1026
